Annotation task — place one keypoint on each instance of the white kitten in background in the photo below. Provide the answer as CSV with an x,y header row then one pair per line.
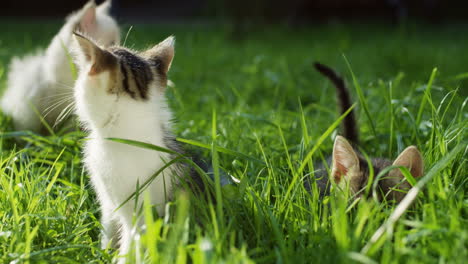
x,y
44,81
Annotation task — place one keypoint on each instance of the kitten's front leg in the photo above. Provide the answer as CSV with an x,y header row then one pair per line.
x,y
110,227
130,227
125,243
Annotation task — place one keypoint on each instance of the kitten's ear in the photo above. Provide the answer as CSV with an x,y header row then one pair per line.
x,y
105,7
91,53
88,18
162,54
410,158
345,161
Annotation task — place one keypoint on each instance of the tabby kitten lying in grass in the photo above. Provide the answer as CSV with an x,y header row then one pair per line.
x,y
121,93
43,82
350,170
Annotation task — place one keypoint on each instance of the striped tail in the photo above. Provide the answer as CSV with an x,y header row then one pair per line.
x,y
344,100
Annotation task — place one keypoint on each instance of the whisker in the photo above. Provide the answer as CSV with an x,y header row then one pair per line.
x,y
55,96
126,36
70,110
68,87
54,106
58,102
64,113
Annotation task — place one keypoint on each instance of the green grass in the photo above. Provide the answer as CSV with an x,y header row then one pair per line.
x,y
255,105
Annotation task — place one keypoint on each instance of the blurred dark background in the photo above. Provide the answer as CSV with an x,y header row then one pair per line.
x,y
240,11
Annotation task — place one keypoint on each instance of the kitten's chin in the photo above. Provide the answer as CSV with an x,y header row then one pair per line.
x,y
98,116
94,113
98,123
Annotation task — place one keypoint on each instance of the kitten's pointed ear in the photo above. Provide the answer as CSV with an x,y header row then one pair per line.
x,y
89,52
345,159
87,47
162,54
105,7
411,158
88,18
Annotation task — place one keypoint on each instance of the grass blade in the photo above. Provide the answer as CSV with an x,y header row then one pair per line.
x,y
362,99
387,227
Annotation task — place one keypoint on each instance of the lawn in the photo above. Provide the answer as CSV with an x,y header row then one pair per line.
x,y
258,109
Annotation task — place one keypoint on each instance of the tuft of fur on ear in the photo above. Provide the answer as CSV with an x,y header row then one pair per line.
x,y
105,7
161,55
91,53
87,22
410,158
345,161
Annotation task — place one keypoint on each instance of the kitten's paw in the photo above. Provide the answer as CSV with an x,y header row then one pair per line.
x,y
105,242
108,242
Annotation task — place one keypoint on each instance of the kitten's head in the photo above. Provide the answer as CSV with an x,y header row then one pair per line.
x,y
117,81
96,22
351,170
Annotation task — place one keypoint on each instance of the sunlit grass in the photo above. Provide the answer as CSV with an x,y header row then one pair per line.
x,y
256,109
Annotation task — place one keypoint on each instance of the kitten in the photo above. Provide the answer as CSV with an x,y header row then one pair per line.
x,y
351,170
44,81
120,93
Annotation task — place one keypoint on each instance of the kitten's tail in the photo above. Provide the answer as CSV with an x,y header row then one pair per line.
x,y
344,100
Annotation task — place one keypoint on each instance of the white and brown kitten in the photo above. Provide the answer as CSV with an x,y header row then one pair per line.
x,y
350,170
121,93
44,81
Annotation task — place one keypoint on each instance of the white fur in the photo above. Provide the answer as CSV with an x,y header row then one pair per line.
x,y
117,168
44,81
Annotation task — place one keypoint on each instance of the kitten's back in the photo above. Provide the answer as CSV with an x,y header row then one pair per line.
x,y
25,80
41,85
